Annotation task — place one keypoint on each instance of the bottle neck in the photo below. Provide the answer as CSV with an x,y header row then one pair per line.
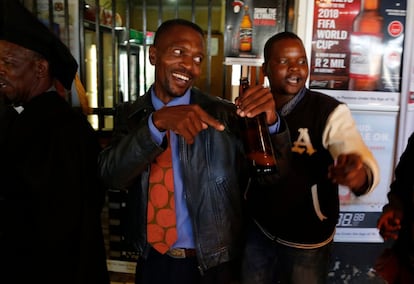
x,y
246,10
371,4
244,84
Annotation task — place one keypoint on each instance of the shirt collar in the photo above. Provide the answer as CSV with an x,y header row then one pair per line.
x,y
182,100
290,105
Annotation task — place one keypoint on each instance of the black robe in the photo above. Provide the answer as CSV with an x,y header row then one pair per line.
x,y
50,197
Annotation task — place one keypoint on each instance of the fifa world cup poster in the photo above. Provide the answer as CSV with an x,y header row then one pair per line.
x,y
249,24
357,45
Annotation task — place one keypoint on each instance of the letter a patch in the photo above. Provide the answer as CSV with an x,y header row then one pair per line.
x,y
303,143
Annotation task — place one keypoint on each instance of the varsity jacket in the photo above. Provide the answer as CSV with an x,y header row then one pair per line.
x,y
302,208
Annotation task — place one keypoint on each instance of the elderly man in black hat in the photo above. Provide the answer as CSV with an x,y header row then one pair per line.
x,y
50,198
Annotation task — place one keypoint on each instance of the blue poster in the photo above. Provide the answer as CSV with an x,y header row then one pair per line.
x,y
358,215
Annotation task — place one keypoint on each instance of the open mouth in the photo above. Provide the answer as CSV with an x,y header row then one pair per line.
x,y
2,85
293,79
181,77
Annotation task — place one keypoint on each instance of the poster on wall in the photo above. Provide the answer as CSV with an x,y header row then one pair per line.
x,y
358,215
249,24
357,46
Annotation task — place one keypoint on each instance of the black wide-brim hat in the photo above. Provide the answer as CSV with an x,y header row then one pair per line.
x,y
19,26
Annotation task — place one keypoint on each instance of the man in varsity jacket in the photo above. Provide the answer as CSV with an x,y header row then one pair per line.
x,y
293,220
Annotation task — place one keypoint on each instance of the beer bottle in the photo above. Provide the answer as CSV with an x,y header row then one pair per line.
x,y
246,32
256,140
366,48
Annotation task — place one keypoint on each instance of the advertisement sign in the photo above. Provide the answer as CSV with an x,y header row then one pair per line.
x,y
357,45
249,24
359,215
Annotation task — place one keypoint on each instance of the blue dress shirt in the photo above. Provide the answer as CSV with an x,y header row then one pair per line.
x,y
184,227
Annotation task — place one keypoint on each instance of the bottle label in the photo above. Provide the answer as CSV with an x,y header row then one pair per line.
x,y
365,59
246,36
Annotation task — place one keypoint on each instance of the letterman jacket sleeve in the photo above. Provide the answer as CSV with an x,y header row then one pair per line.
x,y
341,135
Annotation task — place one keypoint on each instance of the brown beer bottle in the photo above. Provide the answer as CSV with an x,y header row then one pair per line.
x,y
246,32
366,48
256,140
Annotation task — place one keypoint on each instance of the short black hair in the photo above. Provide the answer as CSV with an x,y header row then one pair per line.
x,y
275,38
167,25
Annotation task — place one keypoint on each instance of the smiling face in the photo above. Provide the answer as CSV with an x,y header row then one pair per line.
x,y
177,56
20,72
286,68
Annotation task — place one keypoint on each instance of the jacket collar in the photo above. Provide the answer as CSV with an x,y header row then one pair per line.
x,y
141,104
144,103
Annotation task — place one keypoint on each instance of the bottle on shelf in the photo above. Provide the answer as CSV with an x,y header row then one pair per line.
x,y
256,139
366,48
246,32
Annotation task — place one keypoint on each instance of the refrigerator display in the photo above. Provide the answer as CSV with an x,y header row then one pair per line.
x,y
104,60
136,74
